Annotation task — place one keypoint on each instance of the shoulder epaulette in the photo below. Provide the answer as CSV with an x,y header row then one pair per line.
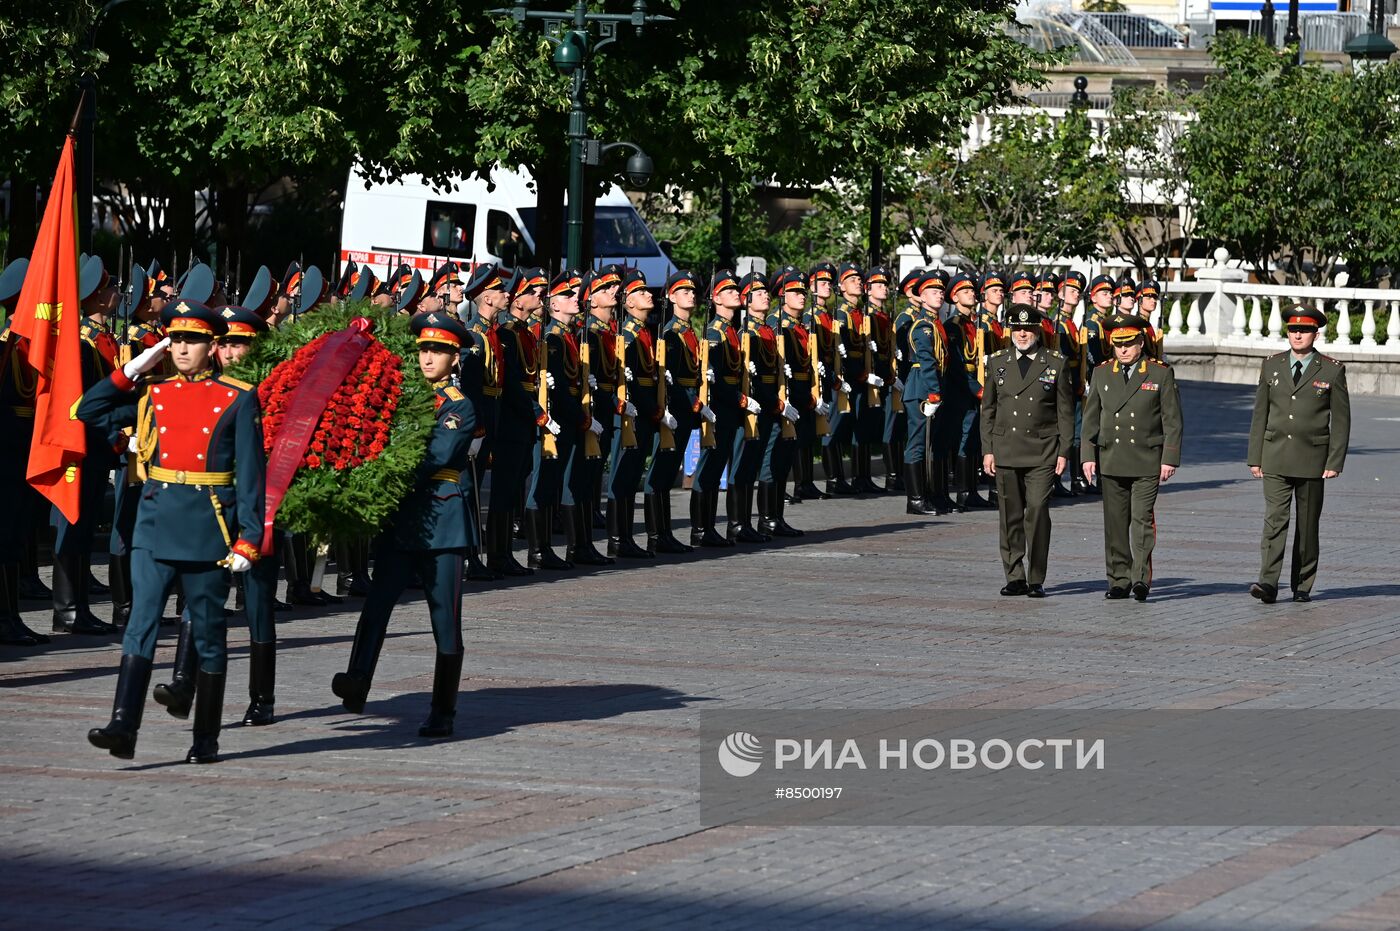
x,y
453,394
236,383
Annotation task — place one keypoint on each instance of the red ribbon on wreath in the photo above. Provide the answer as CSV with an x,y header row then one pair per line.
x,y
327,369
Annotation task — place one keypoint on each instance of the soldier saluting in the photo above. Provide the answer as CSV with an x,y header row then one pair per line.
x,y
1027,429
1132,438
1297,439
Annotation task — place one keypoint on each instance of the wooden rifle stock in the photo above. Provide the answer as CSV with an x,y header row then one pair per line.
x,y
591,449
629,429
745,384
707,429
872,394
788,431
843,400
549,445
822,425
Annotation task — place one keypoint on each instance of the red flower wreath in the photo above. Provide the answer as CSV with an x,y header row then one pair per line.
x,y
354,429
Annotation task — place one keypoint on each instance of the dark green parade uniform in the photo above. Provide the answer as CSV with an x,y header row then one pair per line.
x,y
426,538
560,378
638,356
896,435
854,427
480,380
871,428
200,442
1132,427
781,455
836,392
723,349
764,370
959,434
583,476
925,348
1301,428
517,435
1027,423
679,348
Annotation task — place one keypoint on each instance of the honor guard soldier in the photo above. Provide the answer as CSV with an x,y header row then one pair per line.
x,y
199,440
1149,296
1022,289
991,291
852,347
925,347
722,405
73,542
1070,291
1027,428
1297,440
480,377
426,538
638,416
896,435
1047,288
562,419
1125,296
798,389
835,390
21,507
678,361
597,341
759,383
872,428
964,391
1132,438
1094,349
941,441
822,281
518,422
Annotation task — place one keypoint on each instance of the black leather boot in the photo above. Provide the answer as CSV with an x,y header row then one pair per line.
x,y
731,514
31,587
968,497
119,572
697,517
13,631
119,736
666,541
625,511
835,479
705,519
807,487
262,683
778,525
299,564
499,556
94,586
651,519
352,568
538,525
578,518
447,679
765,508
208,717
747,532
893,460
71,613
866,482
936,490
476,570
178,695
914,502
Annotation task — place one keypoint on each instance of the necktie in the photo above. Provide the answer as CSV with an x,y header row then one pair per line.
x,y
1297,372
1127,374
1024,361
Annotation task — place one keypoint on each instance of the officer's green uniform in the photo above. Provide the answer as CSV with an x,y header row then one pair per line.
x,y
1027,423
1132,427
1301,427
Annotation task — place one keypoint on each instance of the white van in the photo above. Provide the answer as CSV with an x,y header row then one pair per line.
x,y
411,222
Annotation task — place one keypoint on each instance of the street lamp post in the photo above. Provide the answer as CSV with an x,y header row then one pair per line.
x,y
1293,39
573,48
1373,47
87,131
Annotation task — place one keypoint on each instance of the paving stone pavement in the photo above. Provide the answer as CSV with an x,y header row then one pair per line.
x,y
569,797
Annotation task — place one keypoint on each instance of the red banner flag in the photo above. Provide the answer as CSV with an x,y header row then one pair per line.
x,y
50,319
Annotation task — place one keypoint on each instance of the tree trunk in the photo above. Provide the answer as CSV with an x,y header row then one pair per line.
x,y
24,195
181,218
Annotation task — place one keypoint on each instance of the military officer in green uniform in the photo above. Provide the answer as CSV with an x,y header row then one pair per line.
x,y
1297,439
1132,438
1027,429
427,536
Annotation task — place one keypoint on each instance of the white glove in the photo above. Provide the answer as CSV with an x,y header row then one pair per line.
x,y
753,369
845,386
595,426
821,368
790,413
787,370
552,426
929,408
549,379
899,384
710,376
751,406
627,372
146,361
823,408
476,446
669,380
708,414
670,422
841,350
899,354
592,382
237,562
629,409
874,381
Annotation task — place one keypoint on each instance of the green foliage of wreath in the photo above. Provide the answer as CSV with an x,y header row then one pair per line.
x,y
329,503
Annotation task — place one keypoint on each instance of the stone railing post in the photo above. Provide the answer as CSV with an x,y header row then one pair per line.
x,y
1343,313
1217,320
